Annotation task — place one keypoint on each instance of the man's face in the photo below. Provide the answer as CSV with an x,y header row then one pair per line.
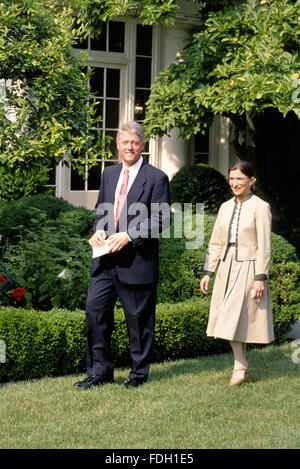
x,y
130,147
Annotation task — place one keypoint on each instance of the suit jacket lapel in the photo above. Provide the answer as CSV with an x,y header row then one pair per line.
x,y
137,187
112,184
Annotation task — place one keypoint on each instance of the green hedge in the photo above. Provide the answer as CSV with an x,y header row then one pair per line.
x,y
200,183
53,343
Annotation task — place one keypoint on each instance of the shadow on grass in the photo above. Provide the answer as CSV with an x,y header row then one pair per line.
x,y
265,362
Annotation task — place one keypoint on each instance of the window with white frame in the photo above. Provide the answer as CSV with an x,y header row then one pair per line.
x,y
201,152
109,58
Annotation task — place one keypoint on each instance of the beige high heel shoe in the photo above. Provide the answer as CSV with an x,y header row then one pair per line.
x,y
236,380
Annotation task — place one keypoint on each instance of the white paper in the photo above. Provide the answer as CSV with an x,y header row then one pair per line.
x,y
100,251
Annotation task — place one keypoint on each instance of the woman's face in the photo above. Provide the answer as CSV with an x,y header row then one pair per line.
x,y
240,183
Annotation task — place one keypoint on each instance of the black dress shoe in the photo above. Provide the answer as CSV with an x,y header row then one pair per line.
x,y
94,380
134,382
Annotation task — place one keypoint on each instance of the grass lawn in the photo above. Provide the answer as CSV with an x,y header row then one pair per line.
x,y
186,404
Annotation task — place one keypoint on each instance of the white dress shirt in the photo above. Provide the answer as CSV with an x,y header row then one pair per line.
x,y
232,235
133,170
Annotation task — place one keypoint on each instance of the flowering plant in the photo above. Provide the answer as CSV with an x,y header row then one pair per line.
x,y
8,294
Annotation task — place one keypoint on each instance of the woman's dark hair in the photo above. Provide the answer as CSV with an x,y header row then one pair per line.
x,y
245,167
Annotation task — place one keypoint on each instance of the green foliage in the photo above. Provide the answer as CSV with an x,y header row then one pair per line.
x,y
8,283
91,13
53,266
200,184
243,60
181,331
53,343
30,213
47,251
285,294
43,109
282,250
181,268
40,344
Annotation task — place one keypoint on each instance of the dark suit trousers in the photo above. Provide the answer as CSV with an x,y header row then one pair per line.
x,y
138,302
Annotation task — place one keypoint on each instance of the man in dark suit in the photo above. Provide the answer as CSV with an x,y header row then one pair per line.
x,y
133,207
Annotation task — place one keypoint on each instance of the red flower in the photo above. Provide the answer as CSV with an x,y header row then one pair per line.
x,y
18,292
2,279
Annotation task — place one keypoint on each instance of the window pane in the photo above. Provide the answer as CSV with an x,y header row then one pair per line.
x,y
77,181
141,97
201,142
96,138
81,43
112,145
94,177
98,108
116,36
113,83
97,81
99,43
146,147
52,175
112,114
201,147
144,40
143,72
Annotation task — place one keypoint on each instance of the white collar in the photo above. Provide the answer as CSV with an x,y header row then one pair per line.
x,y
135,167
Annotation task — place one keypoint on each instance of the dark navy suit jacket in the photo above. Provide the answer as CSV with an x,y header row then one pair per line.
x,y
138,262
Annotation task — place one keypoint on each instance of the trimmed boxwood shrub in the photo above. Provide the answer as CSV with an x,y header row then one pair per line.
x,y
53,343
200,183
41,344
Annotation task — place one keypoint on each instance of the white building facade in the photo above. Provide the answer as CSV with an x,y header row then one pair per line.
x,y
125,60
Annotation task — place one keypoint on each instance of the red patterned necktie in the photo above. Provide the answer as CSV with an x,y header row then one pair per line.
x,y
122,196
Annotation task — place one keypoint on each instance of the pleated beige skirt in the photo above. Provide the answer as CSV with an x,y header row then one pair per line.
x,y
233,314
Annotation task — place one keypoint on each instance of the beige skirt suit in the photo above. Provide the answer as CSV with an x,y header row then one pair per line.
x,y
234,315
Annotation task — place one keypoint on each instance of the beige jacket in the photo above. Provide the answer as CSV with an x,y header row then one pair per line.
x,y
253,235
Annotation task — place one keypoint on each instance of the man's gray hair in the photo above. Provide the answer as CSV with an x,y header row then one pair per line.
x,y
133,127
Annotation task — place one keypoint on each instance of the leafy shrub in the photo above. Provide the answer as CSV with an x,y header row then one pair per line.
x,y
200,183
53,267
282,250
40,344
47,250
29,213
285,295
53,343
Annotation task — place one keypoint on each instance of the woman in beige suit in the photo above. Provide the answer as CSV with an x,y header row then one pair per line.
x,y
239,249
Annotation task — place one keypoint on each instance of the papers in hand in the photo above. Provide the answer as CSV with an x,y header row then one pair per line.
x,y
101,251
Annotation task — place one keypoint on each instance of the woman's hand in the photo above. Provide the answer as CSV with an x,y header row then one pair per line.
x,y
204,284
259,288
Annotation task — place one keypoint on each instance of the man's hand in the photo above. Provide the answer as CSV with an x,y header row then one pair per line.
x,y
97,239
117,241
